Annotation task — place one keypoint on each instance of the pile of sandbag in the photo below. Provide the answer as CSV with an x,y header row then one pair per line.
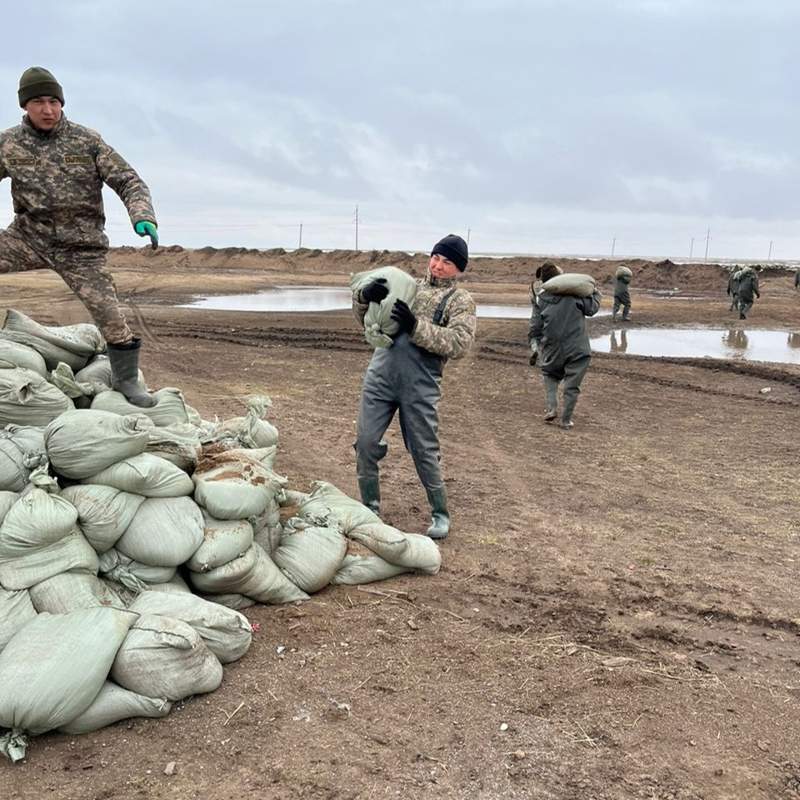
x,y
130,539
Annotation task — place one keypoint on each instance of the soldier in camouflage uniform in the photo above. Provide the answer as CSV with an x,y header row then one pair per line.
x,y
748,286
406,377
57,170
733,287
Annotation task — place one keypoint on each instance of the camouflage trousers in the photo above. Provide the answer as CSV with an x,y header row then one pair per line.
x,y
83,270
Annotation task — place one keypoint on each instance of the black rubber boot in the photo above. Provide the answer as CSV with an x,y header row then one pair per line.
x,y
124,360
370,489
440,518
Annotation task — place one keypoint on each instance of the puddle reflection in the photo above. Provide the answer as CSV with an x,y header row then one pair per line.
x,y
733,343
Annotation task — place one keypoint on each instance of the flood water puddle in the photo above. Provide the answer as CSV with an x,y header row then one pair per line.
x,y
291,299
731,343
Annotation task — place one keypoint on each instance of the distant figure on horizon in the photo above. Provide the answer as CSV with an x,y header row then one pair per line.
x,y
406,376
57,170
622,295
797,278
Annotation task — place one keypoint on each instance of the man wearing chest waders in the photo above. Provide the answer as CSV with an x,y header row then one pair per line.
x,y
57,170
406,377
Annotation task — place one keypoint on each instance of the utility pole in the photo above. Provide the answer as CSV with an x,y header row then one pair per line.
x,y
468,233
356,221
300,240
691,247
769,257
613,246
708,239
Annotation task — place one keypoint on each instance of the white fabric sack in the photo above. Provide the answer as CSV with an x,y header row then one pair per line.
x,y
98,373
235,601
251,430
267,527
13,355
169,410
54,667
227,633
133,575
223,541
164,532
80,392
178,443
21,451
328,501
308,555
165,657
16,610
571,283
114,704
26,398
70,591
7,499
145,474
356,570
624,272
234,485
176,585
254,575
103,512
379,327
72,344
412,550
84,442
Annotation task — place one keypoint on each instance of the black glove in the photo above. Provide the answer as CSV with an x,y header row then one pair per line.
x,y
404,317
375,292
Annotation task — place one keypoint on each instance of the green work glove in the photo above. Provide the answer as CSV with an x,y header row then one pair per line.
x,y
145,228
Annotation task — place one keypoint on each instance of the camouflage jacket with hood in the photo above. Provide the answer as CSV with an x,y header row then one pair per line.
x,y
57,179
453,337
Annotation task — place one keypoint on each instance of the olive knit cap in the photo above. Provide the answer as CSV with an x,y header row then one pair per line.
x,y
38,82
453,248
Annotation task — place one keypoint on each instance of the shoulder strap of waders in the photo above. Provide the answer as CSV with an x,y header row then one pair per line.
x,y
438,315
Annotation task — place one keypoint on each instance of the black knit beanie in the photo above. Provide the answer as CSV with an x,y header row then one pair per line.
x,y
38,82
454,248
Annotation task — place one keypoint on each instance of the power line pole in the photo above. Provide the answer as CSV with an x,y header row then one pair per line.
x,y
769,257
691,247
613,246
468,232
300,240
708,239
356,221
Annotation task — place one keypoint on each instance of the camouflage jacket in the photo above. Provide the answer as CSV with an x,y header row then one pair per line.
x,y
57,179
456,332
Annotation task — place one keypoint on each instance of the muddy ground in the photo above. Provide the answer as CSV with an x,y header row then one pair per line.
x,y
617,615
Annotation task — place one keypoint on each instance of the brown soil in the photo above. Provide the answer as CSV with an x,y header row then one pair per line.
x,y
617,615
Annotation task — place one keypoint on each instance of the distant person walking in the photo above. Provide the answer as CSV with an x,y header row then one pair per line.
x,y
57,170
622,295
748,289
406,377
557,331
797,279
733,287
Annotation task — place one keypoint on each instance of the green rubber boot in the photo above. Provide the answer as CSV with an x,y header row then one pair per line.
x,y
370,490
440,517
124,360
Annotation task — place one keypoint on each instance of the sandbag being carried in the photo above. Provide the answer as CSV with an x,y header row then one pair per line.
x,y
235,484
104,512
254,575
227,633
326,501
309,555
145,474
53,668
70,591
26,398
72,344
412,550
571,283
170,408
164,532
16,610
84,442
252,430
13,355
21,451
165,657
379,327
113,704
223,541
624,273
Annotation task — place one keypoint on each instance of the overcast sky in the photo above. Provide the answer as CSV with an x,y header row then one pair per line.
x,y
541,126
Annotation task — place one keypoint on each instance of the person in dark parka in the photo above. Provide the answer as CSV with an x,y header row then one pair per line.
x,y
748,288
439,324
622,296
733,287
558,328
